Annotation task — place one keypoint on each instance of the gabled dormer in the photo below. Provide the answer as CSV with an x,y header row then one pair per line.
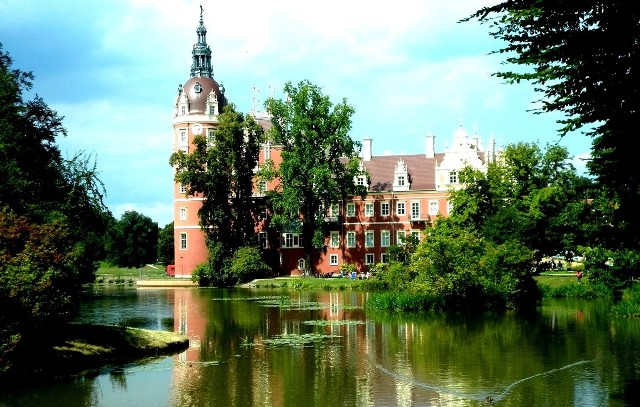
x,y
182,103
401,181
362,178
213,107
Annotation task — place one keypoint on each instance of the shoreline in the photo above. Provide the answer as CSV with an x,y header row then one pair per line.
x,y
81,349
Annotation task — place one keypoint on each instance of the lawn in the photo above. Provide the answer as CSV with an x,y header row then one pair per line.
x,y
122,275
555,280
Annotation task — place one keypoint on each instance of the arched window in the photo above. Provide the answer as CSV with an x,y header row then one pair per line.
x,y
301,265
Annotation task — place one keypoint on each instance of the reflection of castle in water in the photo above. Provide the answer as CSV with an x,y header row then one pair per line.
x,y
390,360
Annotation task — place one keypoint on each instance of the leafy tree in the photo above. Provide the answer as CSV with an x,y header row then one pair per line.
x,y
583,57
221,171
522,197
461,270
319,161
134,240
52,218
166,245
615,269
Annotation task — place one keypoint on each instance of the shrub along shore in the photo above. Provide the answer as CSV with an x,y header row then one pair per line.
x,y
81,349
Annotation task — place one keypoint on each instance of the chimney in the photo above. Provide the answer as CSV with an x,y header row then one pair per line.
x,y
366,149
431,146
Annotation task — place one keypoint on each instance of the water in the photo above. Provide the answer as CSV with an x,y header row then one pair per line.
x,y
268,347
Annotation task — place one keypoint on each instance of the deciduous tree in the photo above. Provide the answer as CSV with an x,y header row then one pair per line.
x,y
583,57
221,171
319,160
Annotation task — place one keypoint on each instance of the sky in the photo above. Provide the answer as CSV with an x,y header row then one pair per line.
x,y
409,68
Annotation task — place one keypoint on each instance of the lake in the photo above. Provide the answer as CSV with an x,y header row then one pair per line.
x,y
273,347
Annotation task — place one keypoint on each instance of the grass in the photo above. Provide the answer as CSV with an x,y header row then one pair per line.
x,y
81,348
107,274
312,283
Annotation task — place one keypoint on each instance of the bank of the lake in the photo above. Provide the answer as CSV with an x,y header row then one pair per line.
x,y
82,348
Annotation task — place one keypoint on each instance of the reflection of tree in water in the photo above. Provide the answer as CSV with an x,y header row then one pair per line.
x,y
118,379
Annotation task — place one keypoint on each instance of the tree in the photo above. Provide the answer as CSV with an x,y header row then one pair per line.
x,y
166,245
52,218
319,161
133,240
585,60
521,198
221,170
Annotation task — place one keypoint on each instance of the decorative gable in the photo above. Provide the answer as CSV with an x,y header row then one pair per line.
x,y
401,180
212,104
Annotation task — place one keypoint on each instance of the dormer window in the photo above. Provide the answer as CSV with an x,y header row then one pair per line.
x,y
453,177
401,177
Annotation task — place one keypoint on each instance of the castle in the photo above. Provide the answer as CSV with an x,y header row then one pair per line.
x,y
405,192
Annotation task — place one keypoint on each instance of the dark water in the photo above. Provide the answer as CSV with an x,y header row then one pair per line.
x,y
252,347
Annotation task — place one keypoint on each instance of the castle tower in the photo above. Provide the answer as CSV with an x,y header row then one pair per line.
x,y
197,106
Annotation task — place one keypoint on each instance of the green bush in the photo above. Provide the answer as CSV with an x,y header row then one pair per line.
x,y
247,264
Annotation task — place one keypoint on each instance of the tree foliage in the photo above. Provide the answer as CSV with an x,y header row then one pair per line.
x,y
529,195
133,241
319,160
583,56
221,171
166,252
463,271
52,217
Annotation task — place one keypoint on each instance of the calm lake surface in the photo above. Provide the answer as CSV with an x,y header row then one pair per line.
x,y
271,347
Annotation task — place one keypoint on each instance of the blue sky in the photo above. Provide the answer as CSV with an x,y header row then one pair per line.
x,y
112,69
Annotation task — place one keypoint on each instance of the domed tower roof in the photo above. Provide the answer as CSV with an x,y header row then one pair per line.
x,y
198,91
201,88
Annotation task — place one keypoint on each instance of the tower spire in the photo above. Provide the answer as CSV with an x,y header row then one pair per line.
x,y
201,54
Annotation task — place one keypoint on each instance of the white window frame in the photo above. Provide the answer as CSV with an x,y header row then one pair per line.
x,y
263,240
416,234
183,241
453,177
433,207
401,180
449,207
182,137
369,259
401,208
400,236
183,213
351,239
369,209
384,258
334,210
415,209
385,238
384,209
369,238
290,240
262,187
351,209
183,189
333,260
334,239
